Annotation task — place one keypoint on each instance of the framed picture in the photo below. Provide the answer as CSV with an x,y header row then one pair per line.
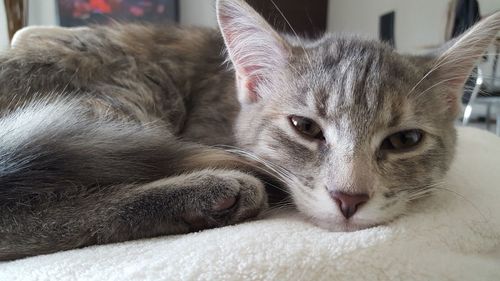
x,y
84,12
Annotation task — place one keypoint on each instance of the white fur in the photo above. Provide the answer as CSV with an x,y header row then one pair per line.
x,y
24,35
34,116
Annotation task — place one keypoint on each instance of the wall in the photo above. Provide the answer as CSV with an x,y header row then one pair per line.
x,y
419,25
412,30
198,12
42,12
4,35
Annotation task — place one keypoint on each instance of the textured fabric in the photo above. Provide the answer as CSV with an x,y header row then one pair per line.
x,y
455,235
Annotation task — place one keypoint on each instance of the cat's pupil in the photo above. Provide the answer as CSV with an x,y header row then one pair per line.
x,y
306,127
402,140
409,138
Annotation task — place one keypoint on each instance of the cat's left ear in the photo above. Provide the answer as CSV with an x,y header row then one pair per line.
x,y
255,48
454,65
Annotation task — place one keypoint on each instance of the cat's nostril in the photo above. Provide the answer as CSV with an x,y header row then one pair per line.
x,y
348,203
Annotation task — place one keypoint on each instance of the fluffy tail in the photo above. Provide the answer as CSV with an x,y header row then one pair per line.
x,y
46,147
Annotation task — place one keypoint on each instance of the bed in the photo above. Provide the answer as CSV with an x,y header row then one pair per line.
x,y
453,235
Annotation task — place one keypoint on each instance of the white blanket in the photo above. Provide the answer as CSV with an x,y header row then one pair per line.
x,y
454,235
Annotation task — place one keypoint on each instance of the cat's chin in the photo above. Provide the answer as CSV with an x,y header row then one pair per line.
x,y
343,225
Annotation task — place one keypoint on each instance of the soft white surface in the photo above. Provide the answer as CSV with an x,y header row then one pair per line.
x,y
454,235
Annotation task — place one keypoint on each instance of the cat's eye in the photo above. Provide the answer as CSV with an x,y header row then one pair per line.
x,y
306,127
402,141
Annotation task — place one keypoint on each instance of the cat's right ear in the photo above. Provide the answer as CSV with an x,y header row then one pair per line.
x,y
455,62
255,48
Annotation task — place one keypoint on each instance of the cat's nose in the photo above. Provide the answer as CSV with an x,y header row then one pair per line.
x,y
348,203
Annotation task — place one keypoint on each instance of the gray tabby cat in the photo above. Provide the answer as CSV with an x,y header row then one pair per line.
x,y
107,133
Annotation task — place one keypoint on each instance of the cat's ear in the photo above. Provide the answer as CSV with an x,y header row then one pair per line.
x,y
454,64
255,48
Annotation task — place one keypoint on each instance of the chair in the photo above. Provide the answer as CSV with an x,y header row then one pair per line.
x,y
486,84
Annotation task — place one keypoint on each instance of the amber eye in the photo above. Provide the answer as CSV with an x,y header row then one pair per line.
x,y
306,127
402,141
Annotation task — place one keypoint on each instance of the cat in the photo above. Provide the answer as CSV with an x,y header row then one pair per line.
x,y
130,131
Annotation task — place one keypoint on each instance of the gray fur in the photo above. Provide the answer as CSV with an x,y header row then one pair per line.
x,y
359,92
107,133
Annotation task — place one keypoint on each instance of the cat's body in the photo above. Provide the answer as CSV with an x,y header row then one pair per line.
x,y
99,100
106,134
158,73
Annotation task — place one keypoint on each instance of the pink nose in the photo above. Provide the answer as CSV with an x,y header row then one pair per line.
x,y
348,203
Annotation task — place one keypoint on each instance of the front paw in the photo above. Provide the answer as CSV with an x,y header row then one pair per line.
x,y
224,198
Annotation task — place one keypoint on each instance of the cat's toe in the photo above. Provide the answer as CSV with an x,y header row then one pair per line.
x,y
224,204
235,197
251,200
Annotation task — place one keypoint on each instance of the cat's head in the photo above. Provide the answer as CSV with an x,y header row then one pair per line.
x,y
358,130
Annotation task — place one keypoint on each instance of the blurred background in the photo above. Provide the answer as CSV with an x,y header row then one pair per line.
x,y
410,26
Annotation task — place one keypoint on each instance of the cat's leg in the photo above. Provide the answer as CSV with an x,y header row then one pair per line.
x,y
70,179
188,202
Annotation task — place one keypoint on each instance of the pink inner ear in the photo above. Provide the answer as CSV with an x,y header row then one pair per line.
x,y
255,50
249,86
246,65
252,79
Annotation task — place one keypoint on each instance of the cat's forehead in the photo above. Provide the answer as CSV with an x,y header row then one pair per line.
x,y
339,56
351,79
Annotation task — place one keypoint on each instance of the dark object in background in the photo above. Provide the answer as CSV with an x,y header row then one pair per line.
x,y
17,15
308,18
386,28
466,15
84,12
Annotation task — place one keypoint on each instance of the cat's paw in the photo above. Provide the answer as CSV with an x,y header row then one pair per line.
x,y
224,198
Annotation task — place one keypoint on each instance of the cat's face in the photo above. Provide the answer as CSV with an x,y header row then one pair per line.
x,y
349,122
356,130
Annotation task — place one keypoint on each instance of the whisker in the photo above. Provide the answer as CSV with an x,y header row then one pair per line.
x,y
437,84
282,173
277,187
294,32
277,208
466,200
442,61
418,193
